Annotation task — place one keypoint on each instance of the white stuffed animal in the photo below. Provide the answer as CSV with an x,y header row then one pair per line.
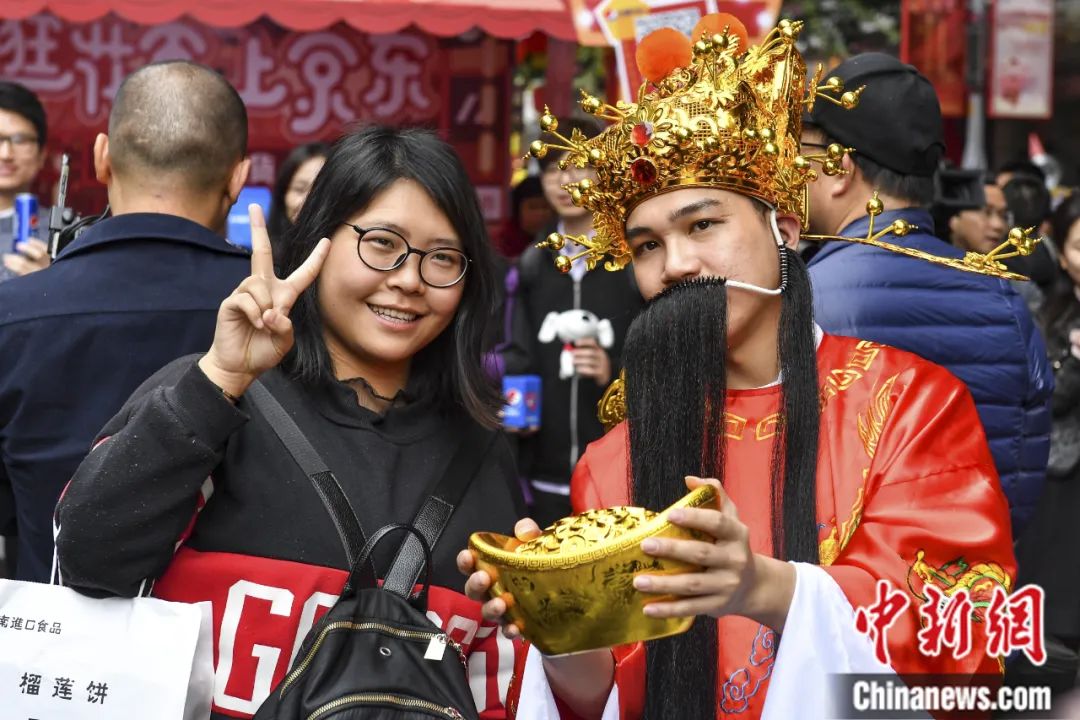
x,y
570,326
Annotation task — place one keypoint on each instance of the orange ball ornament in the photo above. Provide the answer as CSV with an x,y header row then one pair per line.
x,y
715,23
661,52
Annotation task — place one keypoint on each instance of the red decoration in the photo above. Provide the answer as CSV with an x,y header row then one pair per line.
x,y
641,134
714,23
643,171
661,52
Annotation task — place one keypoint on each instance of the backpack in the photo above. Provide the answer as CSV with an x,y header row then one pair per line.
x,y
375,654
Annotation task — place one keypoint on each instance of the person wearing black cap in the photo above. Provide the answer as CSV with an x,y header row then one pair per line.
x,y
977,327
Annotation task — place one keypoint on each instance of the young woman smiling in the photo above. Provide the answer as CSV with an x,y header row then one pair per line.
x,y
372,343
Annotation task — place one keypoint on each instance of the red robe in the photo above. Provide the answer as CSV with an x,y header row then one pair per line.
x,y
906,491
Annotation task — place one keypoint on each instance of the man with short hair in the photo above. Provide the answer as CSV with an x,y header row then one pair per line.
x,y
129,295
982,229
23,131
976,327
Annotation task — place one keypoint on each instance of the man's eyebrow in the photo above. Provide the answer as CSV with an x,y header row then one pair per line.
x,y
692,208
675,216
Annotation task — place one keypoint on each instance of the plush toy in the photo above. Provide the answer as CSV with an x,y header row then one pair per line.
x,y
570,326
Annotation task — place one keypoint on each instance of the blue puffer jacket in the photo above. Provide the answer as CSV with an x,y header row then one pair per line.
x,y
976,326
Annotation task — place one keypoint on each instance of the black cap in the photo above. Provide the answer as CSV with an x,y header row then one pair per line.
x,y
897,122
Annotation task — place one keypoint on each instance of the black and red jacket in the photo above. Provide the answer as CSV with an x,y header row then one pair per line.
x,y
197,500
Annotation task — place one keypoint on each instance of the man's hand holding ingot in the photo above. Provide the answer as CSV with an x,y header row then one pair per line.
x,y
733,581
479,583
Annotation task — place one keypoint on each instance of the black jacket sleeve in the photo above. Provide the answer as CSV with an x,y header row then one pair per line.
x,y
135,494
520,354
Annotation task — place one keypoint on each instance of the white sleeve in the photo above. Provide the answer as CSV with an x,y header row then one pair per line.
x,y
819,640
537,702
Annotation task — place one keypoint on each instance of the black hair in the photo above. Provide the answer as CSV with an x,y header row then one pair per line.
x,y
676,428
1022,166
589,127
1028,200
178,118
530,187
19,99
915,189
1062,221
360,166
278,222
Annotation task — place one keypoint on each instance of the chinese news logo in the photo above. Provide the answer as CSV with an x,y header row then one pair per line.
x,y
1008,623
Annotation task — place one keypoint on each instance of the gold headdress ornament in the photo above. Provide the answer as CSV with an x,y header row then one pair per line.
x,y
716,113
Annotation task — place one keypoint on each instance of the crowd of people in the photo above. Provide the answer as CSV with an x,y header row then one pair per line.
x,y
133,463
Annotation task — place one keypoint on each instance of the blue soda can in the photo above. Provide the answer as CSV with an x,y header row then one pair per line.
x,y
521,393
26,218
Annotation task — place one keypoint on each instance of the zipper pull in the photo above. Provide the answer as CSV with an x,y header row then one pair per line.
x,y
436,648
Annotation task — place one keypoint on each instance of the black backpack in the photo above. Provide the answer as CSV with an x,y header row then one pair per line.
x,y
375,655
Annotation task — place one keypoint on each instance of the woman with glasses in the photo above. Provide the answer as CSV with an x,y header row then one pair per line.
x,y
370,338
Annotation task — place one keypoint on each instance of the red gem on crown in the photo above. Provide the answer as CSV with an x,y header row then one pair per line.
x,y
643,171
641,134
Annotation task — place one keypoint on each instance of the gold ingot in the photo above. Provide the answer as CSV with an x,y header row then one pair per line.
x,y
590,104
572,588
538,149
875,206
563,264
900,228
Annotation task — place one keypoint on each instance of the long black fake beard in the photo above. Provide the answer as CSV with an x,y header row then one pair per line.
x,y
676,390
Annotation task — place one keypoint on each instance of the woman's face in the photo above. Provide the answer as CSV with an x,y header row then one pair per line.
x,y
300,185
382,319
1070,253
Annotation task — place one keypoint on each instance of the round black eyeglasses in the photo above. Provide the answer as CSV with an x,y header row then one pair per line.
x,y
384,250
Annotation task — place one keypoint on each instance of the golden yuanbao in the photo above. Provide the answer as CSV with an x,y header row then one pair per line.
x,y
572,587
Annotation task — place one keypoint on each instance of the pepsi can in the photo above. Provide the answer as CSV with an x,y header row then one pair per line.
x,y
521,394
26,218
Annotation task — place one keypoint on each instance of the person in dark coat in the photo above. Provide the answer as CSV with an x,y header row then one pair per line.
x,y
977,327
131,294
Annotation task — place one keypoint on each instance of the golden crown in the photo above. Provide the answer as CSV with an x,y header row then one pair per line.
x,y
715,113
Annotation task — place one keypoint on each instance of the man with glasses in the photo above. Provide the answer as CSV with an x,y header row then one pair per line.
x,y
23,128
568,407
977,327
982,229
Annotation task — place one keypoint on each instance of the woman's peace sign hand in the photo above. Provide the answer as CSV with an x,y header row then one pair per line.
x,y
253,330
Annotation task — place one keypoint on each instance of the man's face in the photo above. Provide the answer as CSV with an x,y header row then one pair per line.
x,y
704,232
813,143
20,157
984,229
552,181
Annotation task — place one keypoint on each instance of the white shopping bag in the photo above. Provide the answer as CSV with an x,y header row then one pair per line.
x,y
64,655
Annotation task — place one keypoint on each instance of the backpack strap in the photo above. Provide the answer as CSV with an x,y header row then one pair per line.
x,y
326,485
435,513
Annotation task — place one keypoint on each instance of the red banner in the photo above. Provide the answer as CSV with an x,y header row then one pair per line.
x,y
933,39
1022,59
298,87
